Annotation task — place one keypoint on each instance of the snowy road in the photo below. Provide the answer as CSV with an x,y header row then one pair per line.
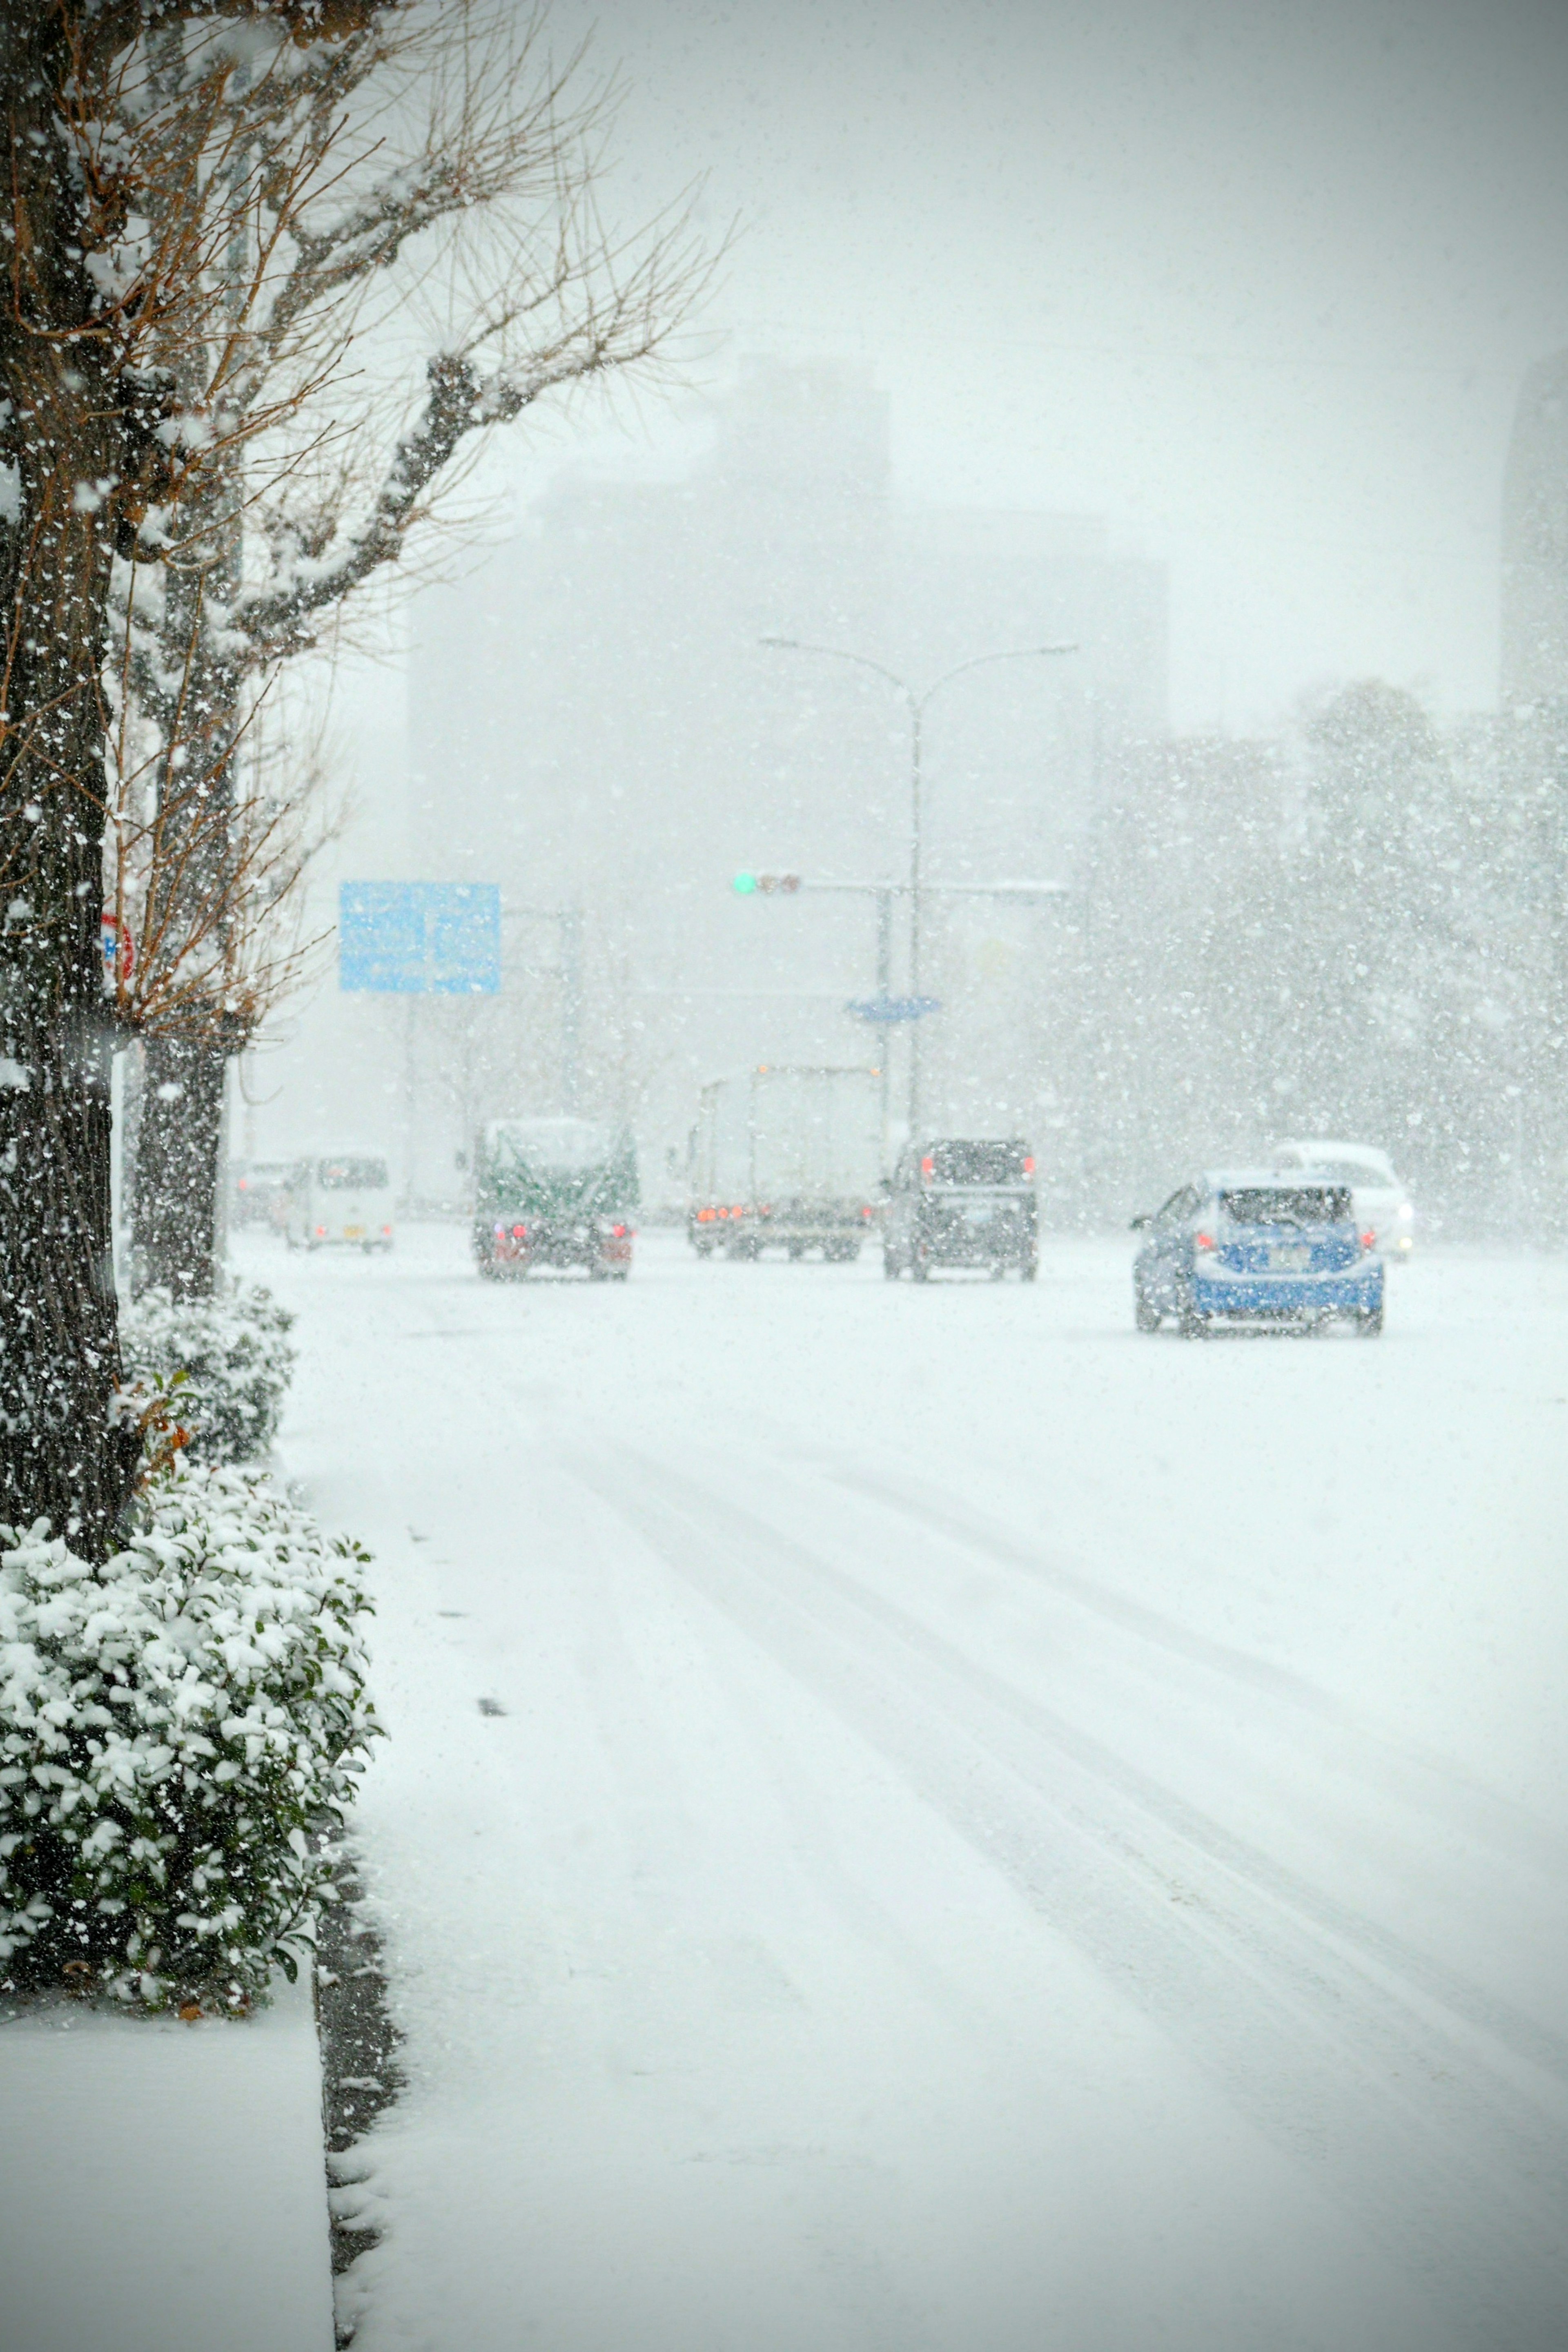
x,y
984,1831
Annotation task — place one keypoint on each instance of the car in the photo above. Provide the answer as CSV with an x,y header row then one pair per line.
x,y
961,1201
261,1193
1380,1199
1248,1245
344,1199
553,1192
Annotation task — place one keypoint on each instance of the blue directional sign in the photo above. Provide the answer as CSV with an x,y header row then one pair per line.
x,y
420,938
893,1008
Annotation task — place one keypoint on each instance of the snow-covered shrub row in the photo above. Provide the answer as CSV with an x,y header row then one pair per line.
x,y
180,1732
235,1352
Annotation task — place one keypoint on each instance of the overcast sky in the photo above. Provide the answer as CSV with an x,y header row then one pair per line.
x,y
1258,282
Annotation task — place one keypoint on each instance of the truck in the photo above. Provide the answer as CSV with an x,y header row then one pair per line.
x,y
553,1191
787,1157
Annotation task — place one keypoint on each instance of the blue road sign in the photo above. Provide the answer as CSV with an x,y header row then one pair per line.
x,y
420,938
893,1008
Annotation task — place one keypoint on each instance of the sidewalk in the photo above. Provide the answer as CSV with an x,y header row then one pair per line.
x,y
162,2186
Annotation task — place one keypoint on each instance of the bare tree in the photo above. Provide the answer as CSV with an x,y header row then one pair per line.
x,y
445,149
195,218
102,287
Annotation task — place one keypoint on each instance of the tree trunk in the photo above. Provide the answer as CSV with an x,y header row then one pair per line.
x,y
65,1453
179,1167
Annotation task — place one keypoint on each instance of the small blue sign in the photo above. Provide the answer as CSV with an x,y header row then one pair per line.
x,y
420,938
893,1008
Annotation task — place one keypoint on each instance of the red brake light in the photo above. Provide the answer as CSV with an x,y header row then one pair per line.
x,y
519,1232
1028,1163
1367,1240
928,1168
1205,1241
617,1233
321,1232
866,1209
386,1229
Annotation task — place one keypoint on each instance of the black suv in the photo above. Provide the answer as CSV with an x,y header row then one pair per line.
x,y
961,1201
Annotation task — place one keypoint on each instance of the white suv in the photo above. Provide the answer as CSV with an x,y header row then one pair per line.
x,y
1382,1205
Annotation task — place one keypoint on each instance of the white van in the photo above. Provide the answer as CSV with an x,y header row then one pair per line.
x,y
1382,1204
343,1198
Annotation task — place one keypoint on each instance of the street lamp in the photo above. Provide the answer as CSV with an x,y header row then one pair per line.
x,y
916,703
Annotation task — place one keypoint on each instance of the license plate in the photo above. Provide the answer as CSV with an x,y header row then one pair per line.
x,y
978,1216
1289,1261
353,1233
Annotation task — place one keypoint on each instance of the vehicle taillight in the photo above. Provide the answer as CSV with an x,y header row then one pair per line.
x,y
866,1209
1368,1241
519,1232
386,1229
928,1168
617,1233
1028,1163
1205,1241
321,1232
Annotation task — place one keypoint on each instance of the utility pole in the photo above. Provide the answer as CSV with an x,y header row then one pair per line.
x,y
885,1008
915,888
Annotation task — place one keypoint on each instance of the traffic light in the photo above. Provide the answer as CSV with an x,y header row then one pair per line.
x,y
745,884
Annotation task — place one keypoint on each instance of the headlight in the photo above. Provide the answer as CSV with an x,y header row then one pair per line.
x,y
1405,1209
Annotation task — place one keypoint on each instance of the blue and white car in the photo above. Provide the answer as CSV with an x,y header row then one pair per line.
x,y
1237,1245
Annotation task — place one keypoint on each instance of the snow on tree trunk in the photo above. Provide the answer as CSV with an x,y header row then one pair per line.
x,y
63,1453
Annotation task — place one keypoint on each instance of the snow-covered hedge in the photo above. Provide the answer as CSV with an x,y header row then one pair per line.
x,y
180,1732
235,1352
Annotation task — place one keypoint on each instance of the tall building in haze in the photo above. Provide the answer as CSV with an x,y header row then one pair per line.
x,y
1535,541
595,722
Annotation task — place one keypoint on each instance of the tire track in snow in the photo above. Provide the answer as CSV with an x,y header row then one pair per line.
x,y
1357,2057
1431,1781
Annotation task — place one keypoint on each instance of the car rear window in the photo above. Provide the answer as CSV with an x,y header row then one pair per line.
x,y
1287,1204
978,1163
351,1175
1353,1171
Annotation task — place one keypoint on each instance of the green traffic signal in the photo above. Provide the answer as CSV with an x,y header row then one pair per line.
x,y
745,884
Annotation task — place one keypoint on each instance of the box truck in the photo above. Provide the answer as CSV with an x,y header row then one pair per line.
x,y
787,1157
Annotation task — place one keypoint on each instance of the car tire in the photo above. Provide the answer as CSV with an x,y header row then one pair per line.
x,y
1192,1325
919,1269
890,1267
1369,1325
1145,1314
1028,1270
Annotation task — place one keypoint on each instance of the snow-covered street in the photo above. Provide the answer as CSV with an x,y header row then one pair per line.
x,y
922,1818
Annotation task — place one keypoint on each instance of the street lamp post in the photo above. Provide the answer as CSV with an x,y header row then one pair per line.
x,y
916,705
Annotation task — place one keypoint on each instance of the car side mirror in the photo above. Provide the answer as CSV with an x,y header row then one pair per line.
x,y
1140,1225
885,1184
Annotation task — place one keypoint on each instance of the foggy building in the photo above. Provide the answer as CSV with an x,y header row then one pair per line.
x,y
1535,541
625,744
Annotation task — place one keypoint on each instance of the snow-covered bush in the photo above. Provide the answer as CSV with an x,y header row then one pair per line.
x,y
235,1352
180,1732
